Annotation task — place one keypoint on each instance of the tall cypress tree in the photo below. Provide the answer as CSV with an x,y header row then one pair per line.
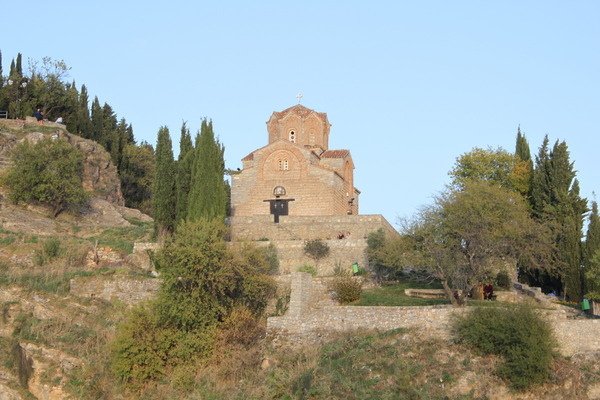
x,y
592,242
19,65
185,164
163,191
97,121
84,123
524,162
208,197
564,209
541,188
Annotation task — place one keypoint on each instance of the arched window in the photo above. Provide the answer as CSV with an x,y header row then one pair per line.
x,y
292,136
283,165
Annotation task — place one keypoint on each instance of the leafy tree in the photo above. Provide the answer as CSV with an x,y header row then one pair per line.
x,y
492,165
185,164
163,190
49,172
466,232
208,197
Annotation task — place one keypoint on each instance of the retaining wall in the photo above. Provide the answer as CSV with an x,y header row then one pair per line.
x,y
309,315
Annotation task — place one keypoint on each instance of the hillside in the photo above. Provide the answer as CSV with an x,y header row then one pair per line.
x,y
67,282
47,335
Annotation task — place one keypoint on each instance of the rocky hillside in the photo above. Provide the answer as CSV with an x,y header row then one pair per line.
x,y
65,281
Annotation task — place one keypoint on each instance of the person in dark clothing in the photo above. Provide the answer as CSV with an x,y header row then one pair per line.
x,y
488,291
38,116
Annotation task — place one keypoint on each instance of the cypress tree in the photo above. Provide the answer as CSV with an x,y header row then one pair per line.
x,y
185,164
12,71
97,121
84,123
592,242
208,196
18,65
565,209
524,162
163,191
541,189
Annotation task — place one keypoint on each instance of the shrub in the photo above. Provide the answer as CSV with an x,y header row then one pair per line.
x,y
316,249
145,350
309,269
50,250
503,280
517,334
346,288
49,172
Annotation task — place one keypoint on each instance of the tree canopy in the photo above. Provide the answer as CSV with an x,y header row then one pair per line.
x,y
49,172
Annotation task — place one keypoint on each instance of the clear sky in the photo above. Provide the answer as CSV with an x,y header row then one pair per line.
x,y
407,86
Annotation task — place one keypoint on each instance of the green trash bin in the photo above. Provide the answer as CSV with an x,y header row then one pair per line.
x,y
355,268
585,305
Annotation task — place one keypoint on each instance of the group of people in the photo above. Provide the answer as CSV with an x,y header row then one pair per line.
x,y
40,117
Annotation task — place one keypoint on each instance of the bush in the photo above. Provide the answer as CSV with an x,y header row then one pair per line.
x,y
145,350
309,269
346,288
503,280
48,172
316,249
50,250
517,334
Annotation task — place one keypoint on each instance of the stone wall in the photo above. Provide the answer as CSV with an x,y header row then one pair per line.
x,y
344,234
261,227
126,289
309,316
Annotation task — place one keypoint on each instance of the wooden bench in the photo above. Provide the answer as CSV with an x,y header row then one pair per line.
x,y
426,293
3,114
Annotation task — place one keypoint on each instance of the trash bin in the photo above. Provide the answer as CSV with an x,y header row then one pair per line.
x,y
355,268
585,305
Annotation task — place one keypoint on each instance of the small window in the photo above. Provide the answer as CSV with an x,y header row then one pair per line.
x,y
292,136
283,165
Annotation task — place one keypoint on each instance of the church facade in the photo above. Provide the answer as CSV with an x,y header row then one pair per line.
x,y
296,173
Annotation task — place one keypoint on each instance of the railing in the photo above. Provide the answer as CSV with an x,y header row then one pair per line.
x,y
4,114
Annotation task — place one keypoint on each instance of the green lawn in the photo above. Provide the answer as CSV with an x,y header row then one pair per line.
x,y
393,295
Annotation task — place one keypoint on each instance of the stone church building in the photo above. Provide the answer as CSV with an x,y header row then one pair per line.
x,y
296,189
298,168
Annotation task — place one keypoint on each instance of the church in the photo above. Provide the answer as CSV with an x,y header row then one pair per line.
x,y
296,189
296,173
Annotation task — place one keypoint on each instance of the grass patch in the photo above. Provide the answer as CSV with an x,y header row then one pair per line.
x,y
393,295
122,239
47,283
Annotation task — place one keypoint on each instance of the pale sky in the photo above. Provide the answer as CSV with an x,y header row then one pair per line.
x,y
407,86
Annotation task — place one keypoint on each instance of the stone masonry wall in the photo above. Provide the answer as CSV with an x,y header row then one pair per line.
x,y
343,252
309,316
344,234
261,227
128,290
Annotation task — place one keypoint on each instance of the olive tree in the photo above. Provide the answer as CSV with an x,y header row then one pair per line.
x,y
465,232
